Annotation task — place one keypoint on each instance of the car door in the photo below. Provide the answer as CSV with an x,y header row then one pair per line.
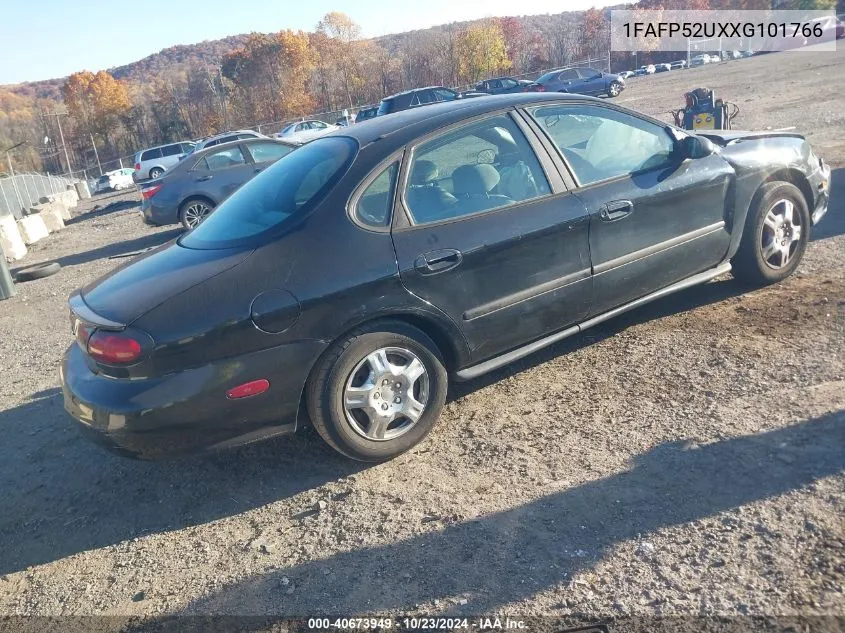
x,y
568,81
487,232
220,172
655,217
591,81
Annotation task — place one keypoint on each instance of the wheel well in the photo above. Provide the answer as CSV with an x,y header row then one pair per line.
x,y
190,198
795,177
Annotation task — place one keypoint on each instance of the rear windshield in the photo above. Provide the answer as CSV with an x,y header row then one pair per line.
x,y
291,185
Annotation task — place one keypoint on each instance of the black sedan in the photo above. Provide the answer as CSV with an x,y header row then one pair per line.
x,y
188,191
352,278
502,85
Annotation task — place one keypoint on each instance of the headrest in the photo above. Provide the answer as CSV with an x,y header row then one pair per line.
x,y
474,179
424,172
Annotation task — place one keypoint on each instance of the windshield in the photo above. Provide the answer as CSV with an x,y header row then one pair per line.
x,y
291,184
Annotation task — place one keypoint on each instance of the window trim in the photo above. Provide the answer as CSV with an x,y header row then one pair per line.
x,y
404,220
375,172
576,182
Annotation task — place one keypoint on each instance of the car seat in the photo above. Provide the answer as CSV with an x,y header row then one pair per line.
x,y
473,185
427,199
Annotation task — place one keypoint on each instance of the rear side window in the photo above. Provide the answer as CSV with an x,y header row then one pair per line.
x,y
290,186
479,167
171,150
266,152
151,154
222,159
373,207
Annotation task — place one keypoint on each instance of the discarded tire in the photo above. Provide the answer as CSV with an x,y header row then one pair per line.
x,y
39,271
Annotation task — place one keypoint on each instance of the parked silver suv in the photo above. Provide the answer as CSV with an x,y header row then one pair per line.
x,y
153,162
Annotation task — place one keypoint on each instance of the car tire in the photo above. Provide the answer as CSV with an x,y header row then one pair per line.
x,y
344,374
614,89
156,172
39,271
191,209
777,226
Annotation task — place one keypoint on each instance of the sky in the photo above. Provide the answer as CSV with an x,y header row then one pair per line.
x,y
45,39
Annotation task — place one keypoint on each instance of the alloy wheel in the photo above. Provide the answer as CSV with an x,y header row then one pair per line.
x,y
195,213
386,393
781,234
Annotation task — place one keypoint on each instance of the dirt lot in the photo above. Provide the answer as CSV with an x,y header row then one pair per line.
x,y
686,458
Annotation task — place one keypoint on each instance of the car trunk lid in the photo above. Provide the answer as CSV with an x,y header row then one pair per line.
x,y
140,285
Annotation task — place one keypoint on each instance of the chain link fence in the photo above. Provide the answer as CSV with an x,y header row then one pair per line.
x,y
19,192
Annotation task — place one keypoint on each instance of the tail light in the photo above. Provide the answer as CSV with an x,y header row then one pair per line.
x,y
137,166
114,348
149,192
82,333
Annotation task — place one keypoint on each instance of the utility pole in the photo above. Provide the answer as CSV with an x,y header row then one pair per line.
x,y
62,137
97,155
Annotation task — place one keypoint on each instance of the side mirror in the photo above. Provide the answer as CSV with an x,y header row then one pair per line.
x,y
693,146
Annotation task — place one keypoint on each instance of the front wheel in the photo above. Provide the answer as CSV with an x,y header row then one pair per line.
x,y
614,89
775,236
377,392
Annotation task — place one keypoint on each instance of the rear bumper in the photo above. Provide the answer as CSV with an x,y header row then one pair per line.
x,y
157,214
188,411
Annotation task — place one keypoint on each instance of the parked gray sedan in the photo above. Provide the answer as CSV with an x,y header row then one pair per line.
x,y
189,191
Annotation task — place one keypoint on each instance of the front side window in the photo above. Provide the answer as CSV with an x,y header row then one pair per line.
x,y
442,94
318,125
267,152
373,207
479,167
601,143
290,186
508,83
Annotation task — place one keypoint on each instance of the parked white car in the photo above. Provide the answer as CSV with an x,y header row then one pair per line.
x,y
700,60
115,180
305,131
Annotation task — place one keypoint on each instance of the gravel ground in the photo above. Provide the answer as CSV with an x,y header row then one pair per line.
x,y
686,458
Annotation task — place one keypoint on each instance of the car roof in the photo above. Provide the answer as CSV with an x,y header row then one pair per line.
x,y
413,90
404,126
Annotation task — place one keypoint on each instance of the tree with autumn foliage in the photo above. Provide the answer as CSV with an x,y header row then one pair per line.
x,y
482,51
268,76
96,102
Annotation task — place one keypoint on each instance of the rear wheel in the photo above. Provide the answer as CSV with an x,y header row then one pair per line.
x,y
377,392
193,211
614,89
156,172
775,237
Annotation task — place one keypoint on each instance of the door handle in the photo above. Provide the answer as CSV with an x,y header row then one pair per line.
x,y
204,178
616,210
438,261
